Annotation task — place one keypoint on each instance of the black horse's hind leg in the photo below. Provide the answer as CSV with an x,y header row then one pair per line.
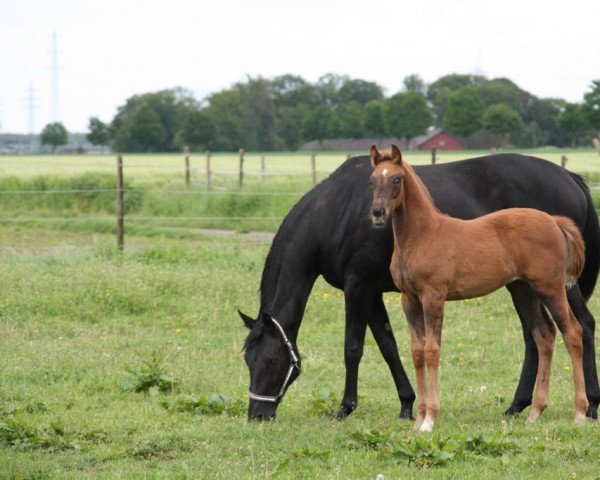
x,y
382,331
359,304
588,323
526,306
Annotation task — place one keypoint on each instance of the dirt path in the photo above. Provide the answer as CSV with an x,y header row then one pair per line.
x,y
258,237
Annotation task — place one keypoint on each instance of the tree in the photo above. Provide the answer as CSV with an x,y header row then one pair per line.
x,y
348,121
258,118
407,114
146,132
501,120
225,111
591,106
464,112
439,91
414,83
358,91
572,120
373,119
197,131
172,107
54,134
317,124
503,90
328,87
99,132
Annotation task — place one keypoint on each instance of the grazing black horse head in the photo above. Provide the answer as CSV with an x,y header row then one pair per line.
x,y
274,364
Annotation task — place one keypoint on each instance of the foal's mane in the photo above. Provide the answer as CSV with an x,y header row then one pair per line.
x,y
410,173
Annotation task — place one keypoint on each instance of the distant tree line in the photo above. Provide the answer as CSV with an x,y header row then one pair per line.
x,y
284,112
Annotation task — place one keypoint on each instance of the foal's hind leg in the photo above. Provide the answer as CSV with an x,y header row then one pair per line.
x,y
572,333
544,335
590,372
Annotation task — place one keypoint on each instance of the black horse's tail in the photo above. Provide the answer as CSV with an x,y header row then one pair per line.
x,y
591,237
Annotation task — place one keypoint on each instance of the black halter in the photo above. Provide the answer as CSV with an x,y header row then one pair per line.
x,y
293,365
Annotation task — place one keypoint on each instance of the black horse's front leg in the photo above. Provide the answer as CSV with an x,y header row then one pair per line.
x,y
379,323
358,308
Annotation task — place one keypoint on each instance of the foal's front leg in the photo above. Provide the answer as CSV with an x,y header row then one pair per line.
x,y
414,315
433,316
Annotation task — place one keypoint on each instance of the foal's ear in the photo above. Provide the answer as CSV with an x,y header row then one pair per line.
x,y
396,155
375,156
249,322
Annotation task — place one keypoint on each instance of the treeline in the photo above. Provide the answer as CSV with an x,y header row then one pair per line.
x,y
284,112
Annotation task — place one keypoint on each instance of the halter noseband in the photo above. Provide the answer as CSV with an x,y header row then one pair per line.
x,y
293,365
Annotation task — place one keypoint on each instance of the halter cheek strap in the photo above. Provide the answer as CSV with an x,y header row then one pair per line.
x,y
294,364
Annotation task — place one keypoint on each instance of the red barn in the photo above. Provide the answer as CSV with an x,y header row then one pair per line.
x,y
440,140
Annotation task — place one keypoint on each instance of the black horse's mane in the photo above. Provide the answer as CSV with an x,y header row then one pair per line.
x,y
290,227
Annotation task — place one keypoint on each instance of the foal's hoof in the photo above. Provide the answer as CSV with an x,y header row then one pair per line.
x,y
426,427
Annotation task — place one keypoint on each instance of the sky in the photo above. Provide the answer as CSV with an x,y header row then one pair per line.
x,y
110,50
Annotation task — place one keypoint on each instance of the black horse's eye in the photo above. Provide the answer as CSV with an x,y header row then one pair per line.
x,y
270,361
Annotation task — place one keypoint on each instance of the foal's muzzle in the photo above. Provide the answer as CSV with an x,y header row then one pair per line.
x,y
378,216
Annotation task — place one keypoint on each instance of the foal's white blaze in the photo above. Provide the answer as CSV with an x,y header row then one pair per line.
x,y
384,172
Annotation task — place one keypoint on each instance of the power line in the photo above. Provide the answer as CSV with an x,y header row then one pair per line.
x,y
55,71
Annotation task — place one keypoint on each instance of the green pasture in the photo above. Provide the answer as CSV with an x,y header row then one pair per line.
x,y
129,365
78,322
76,192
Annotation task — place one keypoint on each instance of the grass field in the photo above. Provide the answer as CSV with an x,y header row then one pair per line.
x,y
83,327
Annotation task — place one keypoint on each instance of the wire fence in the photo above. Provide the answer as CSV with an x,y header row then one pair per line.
x,y
197,184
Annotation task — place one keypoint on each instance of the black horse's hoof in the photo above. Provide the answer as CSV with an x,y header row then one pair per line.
x,y
406,413
592,412
343,412
516,408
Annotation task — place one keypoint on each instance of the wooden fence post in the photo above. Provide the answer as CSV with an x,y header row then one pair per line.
x,y
263,169
208,170
563,161
433,153
313,168
120,203
187,166
241,167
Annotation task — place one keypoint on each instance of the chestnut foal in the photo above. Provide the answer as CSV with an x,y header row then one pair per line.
x,y
438,258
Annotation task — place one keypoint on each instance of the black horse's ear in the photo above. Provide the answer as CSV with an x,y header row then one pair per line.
x,y
396,155
375,156
249,322
267,320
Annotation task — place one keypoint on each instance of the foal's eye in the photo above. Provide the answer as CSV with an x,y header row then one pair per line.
x,y
397,180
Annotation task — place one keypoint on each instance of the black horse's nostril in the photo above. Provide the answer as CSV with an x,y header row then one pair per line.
x,y
377,212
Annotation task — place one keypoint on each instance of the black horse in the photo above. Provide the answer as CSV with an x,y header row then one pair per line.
x,y
329,232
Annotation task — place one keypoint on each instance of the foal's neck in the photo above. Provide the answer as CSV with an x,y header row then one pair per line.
x,y
417,212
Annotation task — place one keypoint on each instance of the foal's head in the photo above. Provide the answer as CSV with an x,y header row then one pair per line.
x,y
386,181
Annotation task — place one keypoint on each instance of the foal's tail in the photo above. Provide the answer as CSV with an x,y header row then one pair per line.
x,y
575,248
